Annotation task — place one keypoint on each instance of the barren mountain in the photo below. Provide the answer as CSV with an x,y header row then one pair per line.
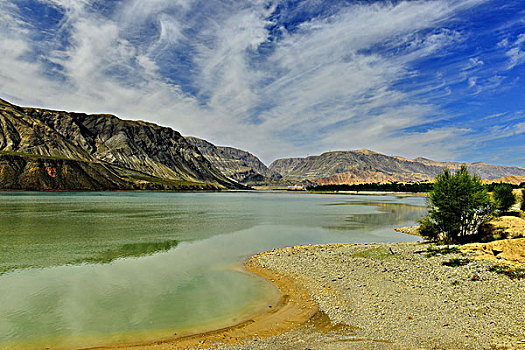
x,y
362,166
515,180
236,164
53,150
128,154
482,169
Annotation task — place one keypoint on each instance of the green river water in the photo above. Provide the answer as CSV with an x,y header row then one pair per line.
x,y
84,269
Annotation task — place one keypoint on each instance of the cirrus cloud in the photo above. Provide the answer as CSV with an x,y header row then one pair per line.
x,y
275,78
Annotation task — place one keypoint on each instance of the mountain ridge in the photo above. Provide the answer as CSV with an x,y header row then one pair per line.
x,y
234,163
55,150
137,152
362,166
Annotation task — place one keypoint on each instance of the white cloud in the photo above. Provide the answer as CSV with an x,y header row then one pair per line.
x,y
504,131
515,51
224,71
473,63
485,84
322,86
472,82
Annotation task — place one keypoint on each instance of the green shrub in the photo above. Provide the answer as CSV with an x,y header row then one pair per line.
x,y
458,205
432,251
455,262
503,197
512,272
375,253
488,233
522,207
428,228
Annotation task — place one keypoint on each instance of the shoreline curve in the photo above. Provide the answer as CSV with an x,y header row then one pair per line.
x,y
398,294
294,308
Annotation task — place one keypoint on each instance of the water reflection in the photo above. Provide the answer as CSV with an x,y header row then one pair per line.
x,y
394,214
42,230
189,284
130,250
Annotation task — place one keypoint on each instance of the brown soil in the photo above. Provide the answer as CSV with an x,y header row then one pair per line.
x,y
514,226
507,251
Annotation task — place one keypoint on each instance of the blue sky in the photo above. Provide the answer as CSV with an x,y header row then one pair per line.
x,y
440,79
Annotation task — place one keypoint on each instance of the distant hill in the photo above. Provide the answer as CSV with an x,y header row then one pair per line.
x,y
514,180
364,166
237,164
482,169
54,150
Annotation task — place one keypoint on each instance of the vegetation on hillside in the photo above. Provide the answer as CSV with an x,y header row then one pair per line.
x,y
491,186
412,187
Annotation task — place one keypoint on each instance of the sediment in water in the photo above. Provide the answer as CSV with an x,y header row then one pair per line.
x,y
294,308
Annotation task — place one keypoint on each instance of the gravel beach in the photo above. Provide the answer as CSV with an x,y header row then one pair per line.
x,y
374,296
392,296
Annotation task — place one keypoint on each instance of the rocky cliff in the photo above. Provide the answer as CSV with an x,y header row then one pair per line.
x,y
362,166
104,151
53,150
237,164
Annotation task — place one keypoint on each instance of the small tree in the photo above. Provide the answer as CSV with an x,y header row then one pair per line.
x,y
522,207
503,197
428,228
458,205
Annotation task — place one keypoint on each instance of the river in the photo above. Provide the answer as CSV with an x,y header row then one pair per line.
x,y
84,269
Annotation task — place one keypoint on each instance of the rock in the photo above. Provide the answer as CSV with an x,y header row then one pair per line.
x,y
50,150
496,251
237,164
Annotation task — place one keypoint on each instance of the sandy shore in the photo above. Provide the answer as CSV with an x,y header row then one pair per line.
x,y
380,296
374,296
403,300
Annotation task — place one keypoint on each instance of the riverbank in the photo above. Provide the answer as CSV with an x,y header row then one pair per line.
x,y
294,309
392,296
375,296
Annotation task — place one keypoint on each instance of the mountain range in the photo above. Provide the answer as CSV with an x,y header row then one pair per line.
x,y
53,150
365,166
43,149
238,165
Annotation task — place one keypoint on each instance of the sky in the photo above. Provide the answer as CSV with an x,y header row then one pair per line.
x,y
441,79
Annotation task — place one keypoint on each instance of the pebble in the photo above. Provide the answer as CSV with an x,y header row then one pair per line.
x,y
408,301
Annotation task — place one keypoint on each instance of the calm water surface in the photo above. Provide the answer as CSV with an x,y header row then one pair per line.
x,y
81,269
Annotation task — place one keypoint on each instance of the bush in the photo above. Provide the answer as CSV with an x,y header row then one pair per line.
x,y
458,206
428,228
522,207
432,251
503,197
488,232
513,272
456,262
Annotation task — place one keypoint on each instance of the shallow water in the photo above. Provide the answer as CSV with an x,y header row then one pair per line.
x,y
81,269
